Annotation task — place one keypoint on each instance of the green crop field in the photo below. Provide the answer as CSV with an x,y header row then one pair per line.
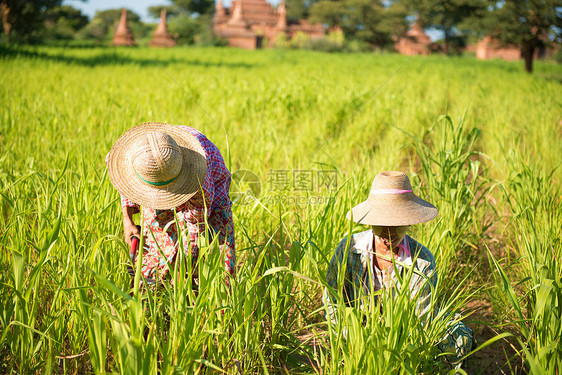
x,y
482,140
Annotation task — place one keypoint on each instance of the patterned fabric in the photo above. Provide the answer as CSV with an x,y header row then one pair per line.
x,y
458,338
161,233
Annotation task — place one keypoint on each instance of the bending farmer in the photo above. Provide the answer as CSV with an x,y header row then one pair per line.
x,y
171,169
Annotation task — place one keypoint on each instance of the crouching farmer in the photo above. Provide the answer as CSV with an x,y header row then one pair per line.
x,y
375,255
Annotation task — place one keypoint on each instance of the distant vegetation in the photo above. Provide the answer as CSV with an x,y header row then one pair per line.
x,y
46,21
376,24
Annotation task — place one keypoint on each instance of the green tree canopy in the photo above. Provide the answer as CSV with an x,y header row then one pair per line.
x,y
104,23
366,20
23,18
298,9
196,6
171,11
63,22
448,16
529,24
189,20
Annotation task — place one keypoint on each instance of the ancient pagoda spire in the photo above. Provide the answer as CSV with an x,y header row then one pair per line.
x,y
282,13
123,35
220,13
162,37
237,16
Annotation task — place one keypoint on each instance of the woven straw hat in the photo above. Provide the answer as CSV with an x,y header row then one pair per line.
x,y
157,165
391,202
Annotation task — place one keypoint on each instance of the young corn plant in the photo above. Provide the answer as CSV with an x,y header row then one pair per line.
x,y
452,177
535,301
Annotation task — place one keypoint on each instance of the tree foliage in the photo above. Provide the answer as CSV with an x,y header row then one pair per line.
x,y
196,6
22,18
448,16
529,24
171,11
103,25
366,20
62,22
189,20
298,9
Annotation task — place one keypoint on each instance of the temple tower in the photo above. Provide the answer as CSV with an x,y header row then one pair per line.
x,y
237,18
415,42
255,24
123,35
220,13
162,37
282,12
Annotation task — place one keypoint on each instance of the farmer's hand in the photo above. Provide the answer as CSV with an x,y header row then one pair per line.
x,y
130,231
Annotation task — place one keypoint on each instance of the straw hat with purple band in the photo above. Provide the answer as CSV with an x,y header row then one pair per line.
x,y
157,165
392,203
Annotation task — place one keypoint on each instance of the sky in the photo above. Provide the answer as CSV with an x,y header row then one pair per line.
x,y
140,7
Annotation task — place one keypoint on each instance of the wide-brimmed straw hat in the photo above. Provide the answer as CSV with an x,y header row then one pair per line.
x,y
391,202
157,165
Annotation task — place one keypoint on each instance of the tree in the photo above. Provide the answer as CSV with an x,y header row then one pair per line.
x,y
530,24
446,15
366,20
171,11
298,9
195,7
62,22
24,17
184,28
328,12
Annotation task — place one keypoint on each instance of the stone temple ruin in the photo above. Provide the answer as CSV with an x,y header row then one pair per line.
x,y
123,35
162,37
255,24
415,42
489,48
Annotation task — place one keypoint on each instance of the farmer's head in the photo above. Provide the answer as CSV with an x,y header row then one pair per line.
x,y
390,235
392,207
157,165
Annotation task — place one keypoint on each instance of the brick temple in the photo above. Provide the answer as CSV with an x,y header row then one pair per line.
x,y
489,48
255,24
161,37
415,42
123,35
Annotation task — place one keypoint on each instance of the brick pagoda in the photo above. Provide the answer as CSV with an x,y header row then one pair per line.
x,y
489,48
250,23
123,35
416,42
162,37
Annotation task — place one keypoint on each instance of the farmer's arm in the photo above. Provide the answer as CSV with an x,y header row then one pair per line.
x,y
129,209
221,222
332,281
424,283
129,227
